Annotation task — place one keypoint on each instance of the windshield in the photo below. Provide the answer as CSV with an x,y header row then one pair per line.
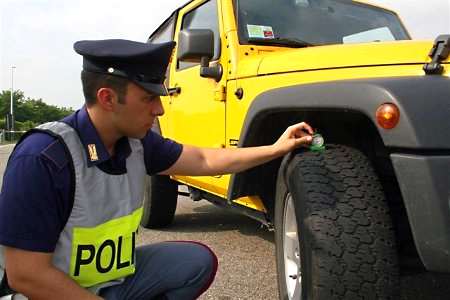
x,y
304,23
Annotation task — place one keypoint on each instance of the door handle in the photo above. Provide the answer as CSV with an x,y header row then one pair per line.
x,y
174,91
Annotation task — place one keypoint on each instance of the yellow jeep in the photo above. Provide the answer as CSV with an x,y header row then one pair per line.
x,y
347,219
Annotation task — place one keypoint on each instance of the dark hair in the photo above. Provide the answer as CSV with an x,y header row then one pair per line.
x,y
92,82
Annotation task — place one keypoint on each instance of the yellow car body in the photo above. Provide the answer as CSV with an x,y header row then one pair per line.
x,y
377,195
207,113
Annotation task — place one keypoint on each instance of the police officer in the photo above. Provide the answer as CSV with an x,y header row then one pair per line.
x,y
72,192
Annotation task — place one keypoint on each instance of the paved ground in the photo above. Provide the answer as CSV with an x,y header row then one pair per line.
x,y
246,252
4,154
246,255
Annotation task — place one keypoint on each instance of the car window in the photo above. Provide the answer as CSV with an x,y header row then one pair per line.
x,y
165,32
315,22
203,17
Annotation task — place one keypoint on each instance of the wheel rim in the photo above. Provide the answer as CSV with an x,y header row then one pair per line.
x,y
291,249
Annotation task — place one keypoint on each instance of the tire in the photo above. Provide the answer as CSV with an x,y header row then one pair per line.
x,y
160,201
333,231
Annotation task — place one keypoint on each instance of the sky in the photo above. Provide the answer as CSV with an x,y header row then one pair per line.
x,y
37,36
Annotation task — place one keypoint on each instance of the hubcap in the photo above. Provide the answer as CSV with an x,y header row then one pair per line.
x,y
291,249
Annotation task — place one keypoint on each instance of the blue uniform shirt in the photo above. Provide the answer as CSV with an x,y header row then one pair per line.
x,y
36,198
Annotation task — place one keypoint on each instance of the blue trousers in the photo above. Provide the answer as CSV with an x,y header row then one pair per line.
x,y
168,270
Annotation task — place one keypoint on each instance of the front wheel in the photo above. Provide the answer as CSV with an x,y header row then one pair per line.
x,y
333,231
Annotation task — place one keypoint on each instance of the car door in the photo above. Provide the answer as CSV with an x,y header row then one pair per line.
x,y
197,110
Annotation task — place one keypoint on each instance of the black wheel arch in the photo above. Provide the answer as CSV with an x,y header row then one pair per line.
x,y
328,107
344,112
343,127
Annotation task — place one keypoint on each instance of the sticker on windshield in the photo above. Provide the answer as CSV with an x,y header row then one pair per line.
x,y
260,32
382,34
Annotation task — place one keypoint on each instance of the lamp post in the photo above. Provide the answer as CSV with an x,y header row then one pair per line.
x,y
12,92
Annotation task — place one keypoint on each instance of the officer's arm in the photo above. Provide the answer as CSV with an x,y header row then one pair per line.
x,y
33,275
206,161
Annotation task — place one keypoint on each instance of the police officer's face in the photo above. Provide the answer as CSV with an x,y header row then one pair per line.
x,y
136,115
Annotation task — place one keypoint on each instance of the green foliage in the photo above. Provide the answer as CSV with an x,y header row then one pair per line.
x,y
28,112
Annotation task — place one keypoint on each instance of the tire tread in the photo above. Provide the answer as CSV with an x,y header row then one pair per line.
x,y
348,224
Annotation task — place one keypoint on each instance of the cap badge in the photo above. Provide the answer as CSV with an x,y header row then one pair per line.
x,y
92,152
110,70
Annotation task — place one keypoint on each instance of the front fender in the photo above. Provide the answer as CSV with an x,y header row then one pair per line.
x,y
423,102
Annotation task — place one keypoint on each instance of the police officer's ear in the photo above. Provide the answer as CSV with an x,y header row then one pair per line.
x,y
107,98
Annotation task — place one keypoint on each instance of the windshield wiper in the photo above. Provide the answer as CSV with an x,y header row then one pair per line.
x,y
289,42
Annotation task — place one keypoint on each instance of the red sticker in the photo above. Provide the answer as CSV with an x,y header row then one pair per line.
x,y
268,34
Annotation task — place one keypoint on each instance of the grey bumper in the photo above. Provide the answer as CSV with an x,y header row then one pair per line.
x,y
425,185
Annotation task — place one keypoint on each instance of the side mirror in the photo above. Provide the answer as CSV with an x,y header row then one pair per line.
x,y
197,46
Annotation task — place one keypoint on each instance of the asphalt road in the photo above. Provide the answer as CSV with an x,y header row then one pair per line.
x,y
246,252
4,154
244,249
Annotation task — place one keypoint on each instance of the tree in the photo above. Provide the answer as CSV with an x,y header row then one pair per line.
x,y
29,112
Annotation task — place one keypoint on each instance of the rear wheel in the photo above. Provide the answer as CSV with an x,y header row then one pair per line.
x,y
160,201
334,236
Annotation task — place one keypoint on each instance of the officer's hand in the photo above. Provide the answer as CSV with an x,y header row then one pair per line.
x,y
297,135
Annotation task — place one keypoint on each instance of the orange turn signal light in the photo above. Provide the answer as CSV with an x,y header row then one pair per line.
x,y
388,115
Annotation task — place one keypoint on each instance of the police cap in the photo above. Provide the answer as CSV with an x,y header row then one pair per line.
x,y
143,63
